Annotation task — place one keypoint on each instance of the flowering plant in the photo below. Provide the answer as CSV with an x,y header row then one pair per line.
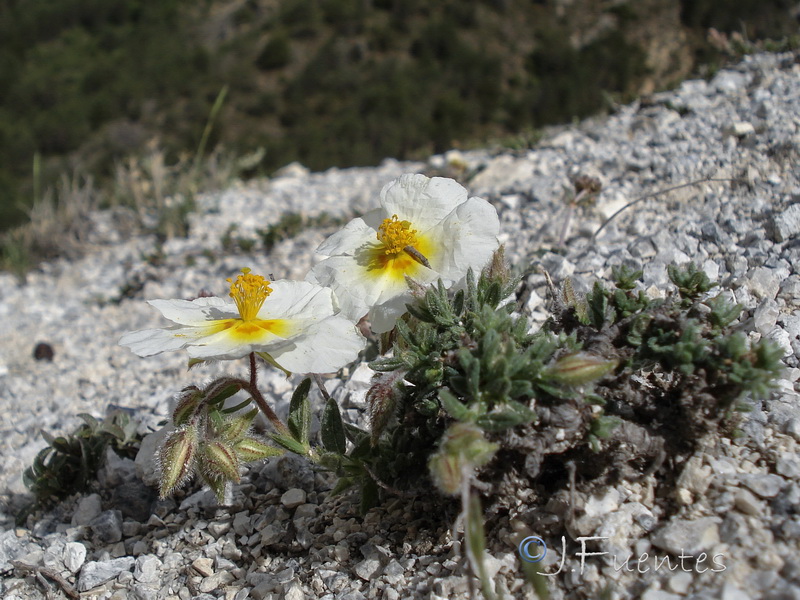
x,y
292,325
425,229
470,397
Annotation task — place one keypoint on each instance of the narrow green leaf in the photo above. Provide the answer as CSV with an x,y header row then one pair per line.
x,y
89,420
112,429
291,444
332,428
405,333
354,433
269,360
454,407
300,413
509,415
387,364
458,302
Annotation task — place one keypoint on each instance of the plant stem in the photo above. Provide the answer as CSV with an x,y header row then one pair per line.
x,y
259,399
253,370
321,385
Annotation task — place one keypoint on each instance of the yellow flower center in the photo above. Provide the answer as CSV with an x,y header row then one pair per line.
x,y
395,235
249,292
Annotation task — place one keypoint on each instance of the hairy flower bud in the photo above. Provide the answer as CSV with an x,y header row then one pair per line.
x,y
446,473
220,460
176,459
236,427
187,402
382,401
579,368
250,449
462,449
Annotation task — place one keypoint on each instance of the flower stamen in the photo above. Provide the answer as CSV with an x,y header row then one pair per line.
x,y
249,292
396,235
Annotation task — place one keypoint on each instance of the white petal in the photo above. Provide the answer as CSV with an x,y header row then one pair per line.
x,y
297,300
382,317
348,239
148,342
468,238
422,201
196,312
331,344
220,350
355,291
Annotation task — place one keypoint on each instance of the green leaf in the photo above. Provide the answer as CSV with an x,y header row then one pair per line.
x,y
454,407
89,420
354,433
112,429
458,302
291,444
420,312
505,416
405,334
332,429
269,360
300,413
387,364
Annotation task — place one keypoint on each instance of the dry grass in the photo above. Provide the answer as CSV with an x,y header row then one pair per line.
x,y
160,195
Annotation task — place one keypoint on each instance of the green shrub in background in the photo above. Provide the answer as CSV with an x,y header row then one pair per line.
x,y
326,82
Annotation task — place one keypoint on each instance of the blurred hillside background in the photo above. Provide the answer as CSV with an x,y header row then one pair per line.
x,y
95,93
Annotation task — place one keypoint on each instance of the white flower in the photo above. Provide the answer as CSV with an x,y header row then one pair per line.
x,y
294,322
426,229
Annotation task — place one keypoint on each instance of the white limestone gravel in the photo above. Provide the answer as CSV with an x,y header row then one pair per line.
x,y
283,538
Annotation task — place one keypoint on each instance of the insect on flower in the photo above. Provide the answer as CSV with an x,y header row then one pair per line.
x,y
425,228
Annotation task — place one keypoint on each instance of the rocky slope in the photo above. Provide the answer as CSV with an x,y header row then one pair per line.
x,y
737,137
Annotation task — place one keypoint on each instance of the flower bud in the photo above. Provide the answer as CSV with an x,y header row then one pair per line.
x,y
251,448
187,402
446,473
220,460
579,368
176,459
382,401
221,389
462,449
237,427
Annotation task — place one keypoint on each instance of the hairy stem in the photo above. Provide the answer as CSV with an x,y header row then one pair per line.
x,y
252,387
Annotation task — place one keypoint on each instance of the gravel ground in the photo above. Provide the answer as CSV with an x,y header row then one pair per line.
x,y
737,137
